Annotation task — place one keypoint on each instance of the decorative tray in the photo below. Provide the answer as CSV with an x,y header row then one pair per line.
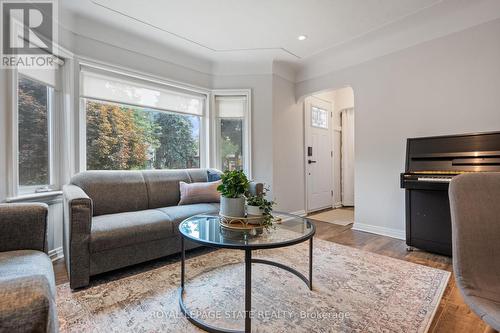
x,y
250,222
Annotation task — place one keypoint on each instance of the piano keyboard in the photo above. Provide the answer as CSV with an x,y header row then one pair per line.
x,y
434,179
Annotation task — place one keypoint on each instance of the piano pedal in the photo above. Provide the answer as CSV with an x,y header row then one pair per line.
x,y
410,249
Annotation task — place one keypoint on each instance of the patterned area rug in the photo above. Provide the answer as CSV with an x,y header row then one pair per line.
x,y
353,291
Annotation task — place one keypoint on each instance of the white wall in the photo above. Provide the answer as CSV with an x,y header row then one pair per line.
x,y
344,98
445,86
288,143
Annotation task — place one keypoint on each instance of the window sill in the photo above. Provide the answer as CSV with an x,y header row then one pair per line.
x,y
34,196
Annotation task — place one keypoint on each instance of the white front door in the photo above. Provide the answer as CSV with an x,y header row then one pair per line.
x,y
318,154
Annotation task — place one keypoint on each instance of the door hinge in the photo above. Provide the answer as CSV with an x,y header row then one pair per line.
x,y
332,193
331,153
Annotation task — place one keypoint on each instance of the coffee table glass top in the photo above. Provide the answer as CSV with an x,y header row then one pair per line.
x,y
205,229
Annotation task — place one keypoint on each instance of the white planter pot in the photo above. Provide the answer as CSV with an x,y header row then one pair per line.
x,y
254,210
233,207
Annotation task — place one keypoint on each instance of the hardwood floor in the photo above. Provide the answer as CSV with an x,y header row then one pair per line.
x,y
452,315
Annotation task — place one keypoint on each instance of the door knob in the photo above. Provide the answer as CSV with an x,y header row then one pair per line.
x,y
310,161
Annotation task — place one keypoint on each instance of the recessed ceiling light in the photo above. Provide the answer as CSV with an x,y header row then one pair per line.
x,y
302,37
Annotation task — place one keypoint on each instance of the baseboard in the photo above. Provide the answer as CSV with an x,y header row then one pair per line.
x,y
373,229
337,204
56,254
301,213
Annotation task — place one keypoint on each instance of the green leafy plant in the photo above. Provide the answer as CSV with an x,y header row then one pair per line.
x,y
234,184
265,206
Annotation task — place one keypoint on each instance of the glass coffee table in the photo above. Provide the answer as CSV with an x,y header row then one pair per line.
x,y
206,230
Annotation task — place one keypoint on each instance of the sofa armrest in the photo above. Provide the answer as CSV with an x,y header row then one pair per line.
x,y
27,305
77,225
23,226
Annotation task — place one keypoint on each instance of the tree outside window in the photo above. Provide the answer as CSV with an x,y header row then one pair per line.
x,y
122,137
33,132
231,144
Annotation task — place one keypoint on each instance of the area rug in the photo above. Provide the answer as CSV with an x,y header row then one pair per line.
x,y
340,216
353,291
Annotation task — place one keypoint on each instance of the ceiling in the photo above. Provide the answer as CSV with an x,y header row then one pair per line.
x,y
226,26
245,30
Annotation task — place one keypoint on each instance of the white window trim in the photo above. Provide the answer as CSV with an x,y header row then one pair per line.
x,y
82,119
54,130
247,128
13,152
59,126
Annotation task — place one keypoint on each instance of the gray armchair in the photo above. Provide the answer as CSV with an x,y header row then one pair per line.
x,y
475,213
27,285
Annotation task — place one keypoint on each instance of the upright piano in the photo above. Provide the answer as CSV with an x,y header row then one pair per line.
x,y
431,163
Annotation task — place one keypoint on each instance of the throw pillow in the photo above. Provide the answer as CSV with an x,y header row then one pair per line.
x,y
213,175
199,192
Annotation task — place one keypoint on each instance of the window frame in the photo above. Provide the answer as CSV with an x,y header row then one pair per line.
x,y
54,113
322,110
247,128
82,113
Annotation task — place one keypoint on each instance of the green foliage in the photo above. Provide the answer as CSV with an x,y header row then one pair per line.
x,y
33,133
265,206
234,184
231,143
118,138
177,147
228,148
123,138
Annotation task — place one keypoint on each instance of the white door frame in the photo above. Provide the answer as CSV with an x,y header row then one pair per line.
x,y
308,103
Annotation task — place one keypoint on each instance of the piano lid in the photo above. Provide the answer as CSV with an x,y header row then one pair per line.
x,y
454,153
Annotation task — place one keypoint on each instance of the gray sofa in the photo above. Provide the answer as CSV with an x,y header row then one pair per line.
x,y
114,219
27,285
475,221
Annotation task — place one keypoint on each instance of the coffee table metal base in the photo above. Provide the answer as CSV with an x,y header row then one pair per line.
x,y
248,288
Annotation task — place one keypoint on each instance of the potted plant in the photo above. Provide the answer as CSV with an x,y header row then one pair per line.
x,y
253,205
258,205
234,185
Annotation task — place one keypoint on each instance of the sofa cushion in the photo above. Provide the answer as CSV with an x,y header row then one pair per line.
x,y
163,186
27,292
113,191
123,229
177,214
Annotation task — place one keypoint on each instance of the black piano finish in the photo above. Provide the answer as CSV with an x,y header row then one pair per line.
x,y
431,162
